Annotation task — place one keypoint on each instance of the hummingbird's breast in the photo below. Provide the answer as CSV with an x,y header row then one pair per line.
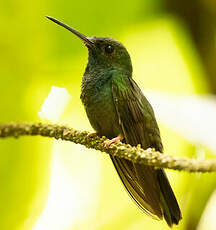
x,y
100,109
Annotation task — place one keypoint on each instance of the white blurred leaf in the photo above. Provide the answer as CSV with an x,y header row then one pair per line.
x,y
192,116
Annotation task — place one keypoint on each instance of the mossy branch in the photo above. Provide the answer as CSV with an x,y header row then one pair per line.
x,y
134,154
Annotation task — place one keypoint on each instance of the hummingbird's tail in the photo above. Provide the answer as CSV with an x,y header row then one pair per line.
x,y
171,210
150,189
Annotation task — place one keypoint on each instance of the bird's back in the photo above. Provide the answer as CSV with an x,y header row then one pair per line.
x,y
149,187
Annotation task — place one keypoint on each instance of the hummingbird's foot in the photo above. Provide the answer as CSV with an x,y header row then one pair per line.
x,y
120,137
90,135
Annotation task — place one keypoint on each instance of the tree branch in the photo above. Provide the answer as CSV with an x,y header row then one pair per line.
x,y
134,154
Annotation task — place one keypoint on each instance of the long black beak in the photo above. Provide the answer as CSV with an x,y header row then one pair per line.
x,y
87,42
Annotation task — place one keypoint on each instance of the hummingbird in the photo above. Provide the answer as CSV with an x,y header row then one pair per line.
x,y
116,108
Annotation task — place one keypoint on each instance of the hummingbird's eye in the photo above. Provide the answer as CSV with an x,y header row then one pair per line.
x,y
109,49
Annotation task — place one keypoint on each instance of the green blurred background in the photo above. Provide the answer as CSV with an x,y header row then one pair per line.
x,y
47,184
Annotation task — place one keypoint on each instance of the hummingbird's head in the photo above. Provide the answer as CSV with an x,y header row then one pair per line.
x,y
107,52
104,52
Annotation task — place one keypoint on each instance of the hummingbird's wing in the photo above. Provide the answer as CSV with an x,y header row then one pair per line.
x,y
148,187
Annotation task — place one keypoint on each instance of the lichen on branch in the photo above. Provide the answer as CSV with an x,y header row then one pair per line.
x,y
131,153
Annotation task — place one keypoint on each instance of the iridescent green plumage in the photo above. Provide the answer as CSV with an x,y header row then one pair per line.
x,y
115,106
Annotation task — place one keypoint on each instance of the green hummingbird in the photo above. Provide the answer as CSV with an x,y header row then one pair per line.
x,y
117,109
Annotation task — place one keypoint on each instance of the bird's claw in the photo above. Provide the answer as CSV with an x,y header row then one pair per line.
x,y
108,143
114,140
91,135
